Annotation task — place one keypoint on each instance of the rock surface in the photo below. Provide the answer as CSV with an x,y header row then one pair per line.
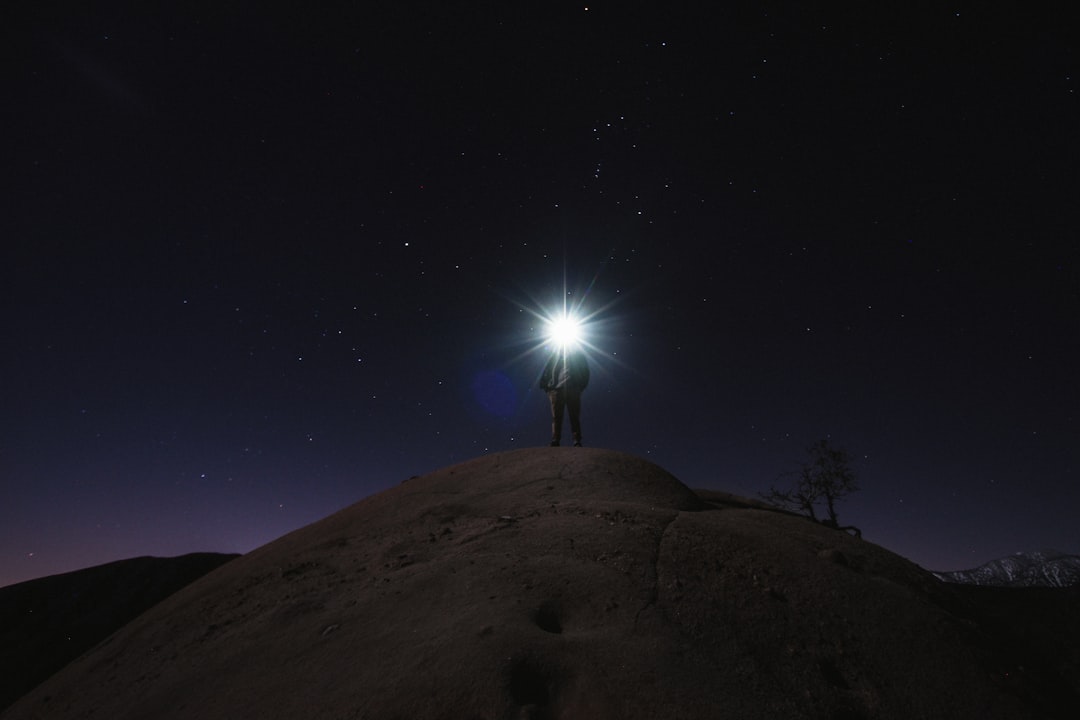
x,y
557,583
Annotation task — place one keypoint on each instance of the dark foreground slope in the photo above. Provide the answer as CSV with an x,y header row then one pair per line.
x,y
557,583
48,622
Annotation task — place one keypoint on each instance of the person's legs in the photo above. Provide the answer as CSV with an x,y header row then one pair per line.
x,y
558,402
573,406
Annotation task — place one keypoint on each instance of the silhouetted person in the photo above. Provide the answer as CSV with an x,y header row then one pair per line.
x,y
565,375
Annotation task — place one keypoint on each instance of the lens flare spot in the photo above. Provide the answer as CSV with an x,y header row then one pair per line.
x,y
494,391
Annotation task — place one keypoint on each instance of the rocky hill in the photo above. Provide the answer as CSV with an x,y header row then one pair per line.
x,y
565,583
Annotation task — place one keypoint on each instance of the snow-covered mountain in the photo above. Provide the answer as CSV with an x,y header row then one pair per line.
x,y
1026,569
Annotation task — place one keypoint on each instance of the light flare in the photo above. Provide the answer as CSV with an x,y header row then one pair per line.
x,y
565,331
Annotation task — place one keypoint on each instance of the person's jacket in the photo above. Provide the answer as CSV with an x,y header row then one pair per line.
x,y
565,368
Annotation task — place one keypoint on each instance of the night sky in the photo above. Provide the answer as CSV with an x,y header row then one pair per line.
x,y
258,264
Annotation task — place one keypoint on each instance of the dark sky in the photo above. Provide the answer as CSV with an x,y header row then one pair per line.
x,y
258,264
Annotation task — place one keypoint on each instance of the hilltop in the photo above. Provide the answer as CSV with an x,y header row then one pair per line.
x,y
563,583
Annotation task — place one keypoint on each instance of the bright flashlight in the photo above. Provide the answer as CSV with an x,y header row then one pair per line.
x,y
564,331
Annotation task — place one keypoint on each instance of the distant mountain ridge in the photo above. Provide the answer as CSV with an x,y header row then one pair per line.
x,y
48,622
1046,568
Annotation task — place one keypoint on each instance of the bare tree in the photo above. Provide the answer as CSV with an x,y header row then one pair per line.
x,y
826,478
